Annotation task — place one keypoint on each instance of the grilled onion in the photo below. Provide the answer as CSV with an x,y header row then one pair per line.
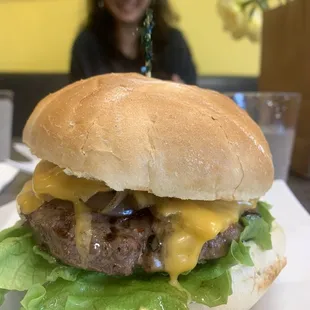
x,y
115,202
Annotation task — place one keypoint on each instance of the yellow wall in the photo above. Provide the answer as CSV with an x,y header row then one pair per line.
x,y
36,36
214,50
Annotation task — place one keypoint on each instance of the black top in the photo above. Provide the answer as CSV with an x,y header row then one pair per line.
x,y
89,59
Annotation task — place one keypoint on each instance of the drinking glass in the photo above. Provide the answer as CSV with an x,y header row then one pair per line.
x,y
6,118
276,113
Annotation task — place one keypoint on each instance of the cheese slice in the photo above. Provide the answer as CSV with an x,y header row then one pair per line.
x,y
50,180
193,224
27,200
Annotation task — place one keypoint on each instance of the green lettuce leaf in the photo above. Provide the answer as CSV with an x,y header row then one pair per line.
x,y
15,231
209,284
263,209
257,230
51,259
238,254
2,296
97,291
33,297
258,227
21,267
213,292
241,254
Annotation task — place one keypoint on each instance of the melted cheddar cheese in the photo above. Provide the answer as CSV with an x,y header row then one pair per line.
x,y
193,224
27,200
50,181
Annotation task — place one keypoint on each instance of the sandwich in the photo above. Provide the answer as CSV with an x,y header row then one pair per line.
x,y
147,196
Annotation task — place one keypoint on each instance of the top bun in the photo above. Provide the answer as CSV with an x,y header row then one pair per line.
x,y
138,133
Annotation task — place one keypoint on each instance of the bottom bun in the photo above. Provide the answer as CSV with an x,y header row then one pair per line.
x,y
250,283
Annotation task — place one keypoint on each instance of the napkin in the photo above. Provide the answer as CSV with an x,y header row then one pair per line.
x,y
25,166
7,174
8,216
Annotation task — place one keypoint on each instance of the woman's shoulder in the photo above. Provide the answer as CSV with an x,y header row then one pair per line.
x,y
175,35
85,39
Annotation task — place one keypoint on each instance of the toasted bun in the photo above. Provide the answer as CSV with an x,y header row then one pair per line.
x,y
250,283
138,133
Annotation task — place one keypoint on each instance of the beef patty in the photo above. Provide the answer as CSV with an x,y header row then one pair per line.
x,y
118,244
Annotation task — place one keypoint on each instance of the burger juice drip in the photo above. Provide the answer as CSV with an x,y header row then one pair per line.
x,y
83,232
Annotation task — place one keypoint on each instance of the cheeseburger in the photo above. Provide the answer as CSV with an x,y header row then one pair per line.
x,y
147,196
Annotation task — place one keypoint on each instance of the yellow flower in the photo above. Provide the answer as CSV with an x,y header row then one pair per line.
x,y
238,21
233,18
255,26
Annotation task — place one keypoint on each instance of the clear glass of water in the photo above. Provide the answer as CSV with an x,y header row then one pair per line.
x,y
276,114
6,118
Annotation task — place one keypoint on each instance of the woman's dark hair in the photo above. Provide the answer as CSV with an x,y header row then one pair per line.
x,y
102,24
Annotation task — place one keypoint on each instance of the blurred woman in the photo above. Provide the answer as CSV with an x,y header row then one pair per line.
x,y
110,41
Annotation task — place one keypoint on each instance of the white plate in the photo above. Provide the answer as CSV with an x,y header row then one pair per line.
x,y
8,215
7,174
291,289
